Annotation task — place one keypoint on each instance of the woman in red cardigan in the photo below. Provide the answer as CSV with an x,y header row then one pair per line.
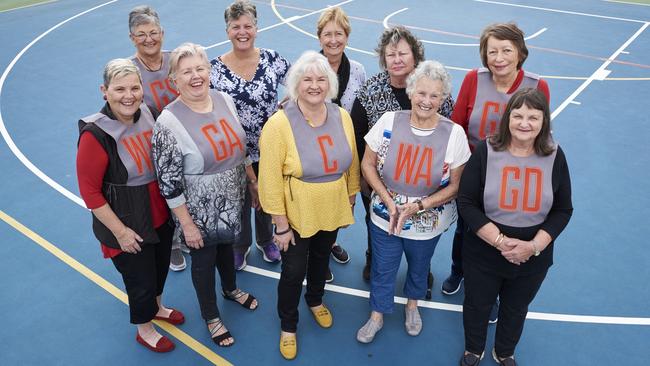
x,y
117,183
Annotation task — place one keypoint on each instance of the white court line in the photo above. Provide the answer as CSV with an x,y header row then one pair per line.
x,y
599,74
29,6
5,134
271,274
625,2
386,26
560,11
576,103
287,21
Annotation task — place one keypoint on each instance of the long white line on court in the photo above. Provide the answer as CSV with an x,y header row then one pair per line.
x,y
29,6
271,274
560,11
3,130
386,26
288,22
599,74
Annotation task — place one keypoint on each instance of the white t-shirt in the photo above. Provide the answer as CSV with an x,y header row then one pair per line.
x,y
436,220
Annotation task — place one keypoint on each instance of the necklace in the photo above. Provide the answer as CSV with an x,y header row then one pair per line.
x,y
146,66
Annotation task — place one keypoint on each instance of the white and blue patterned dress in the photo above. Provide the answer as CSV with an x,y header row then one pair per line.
x,y
256,100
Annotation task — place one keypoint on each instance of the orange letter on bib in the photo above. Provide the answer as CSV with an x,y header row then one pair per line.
x,y
514,193
322,140
483,131
140,149
218,147
538,189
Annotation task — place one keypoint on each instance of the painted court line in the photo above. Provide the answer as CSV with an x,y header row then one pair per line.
x,y
598,74
340,289
285,21
560,11
28,6
185,338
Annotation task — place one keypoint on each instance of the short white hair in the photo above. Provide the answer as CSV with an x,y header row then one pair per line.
x,y
118,68
311,61
433,70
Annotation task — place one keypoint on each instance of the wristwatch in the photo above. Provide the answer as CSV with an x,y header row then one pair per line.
x,y
420,206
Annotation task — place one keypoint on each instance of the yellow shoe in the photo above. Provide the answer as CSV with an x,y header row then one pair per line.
x,y
322,315
288,346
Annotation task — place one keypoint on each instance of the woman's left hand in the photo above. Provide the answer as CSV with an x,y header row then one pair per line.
x,y
516,251
404,212
255,198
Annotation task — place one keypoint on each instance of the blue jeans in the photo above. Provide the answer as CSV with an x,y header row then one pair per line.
x,y
386,256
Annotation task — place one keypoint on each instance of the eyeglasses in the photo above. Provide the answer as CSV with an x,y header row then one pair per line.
x,y
142,36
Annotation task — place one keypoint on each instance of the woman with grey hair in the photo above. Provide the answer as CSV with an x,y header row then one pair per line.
x,y
117,183
147,35
413,162
251,76
199,150
400,52
309,176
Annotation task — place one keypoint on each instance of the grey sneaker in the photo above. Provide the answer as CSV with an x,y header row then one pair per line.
x,y
367,333
413,322
177,260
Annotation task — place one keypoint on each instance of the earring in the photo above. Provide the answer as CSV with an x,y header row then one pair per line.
x,y
105,97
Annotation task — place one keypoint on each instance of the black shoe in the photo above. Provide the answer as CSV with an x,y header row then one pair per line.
x,y
366,268
470,359
452,284
508,361
329,277
494,313
339,254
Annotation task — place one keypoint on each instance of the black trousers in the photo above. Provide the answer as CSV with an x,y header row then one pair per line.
x,y
144,275
311,256
457,248
481,290
204,279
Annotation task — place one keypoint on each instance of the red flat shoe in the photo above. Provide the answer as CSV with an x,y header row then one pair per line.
x,y
163,345
175,317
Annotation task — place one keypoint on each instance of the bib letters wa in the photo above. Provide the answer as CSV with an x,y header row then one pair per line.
x,y
518,191
413,164
324,151
490,104
133,144
217,134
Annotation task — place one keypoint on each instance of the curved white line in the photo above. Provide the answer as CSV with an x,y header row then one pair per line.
x,y
5,134
288,21
385,21
272,274
476,44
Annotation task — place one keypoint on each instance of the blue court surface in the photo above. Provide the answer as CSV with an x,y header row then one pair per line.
x,y
63,304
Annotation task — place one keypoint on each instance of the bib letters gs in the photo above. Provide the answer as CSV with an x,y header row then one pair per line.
x,y
414,164
324,151
158,90
518,191
490,104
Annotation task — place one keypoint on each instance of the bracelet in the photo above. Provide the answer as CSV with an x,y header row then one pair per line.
x,y
535,250
498,240
420,206
275,230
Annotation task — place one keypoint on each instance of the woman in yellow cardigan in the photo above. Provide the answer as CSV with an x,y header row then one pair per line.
x,y
308,179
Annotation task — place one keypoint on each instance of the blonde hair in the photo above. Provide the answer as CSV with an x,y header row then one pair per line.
x,y
336,15
311,61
